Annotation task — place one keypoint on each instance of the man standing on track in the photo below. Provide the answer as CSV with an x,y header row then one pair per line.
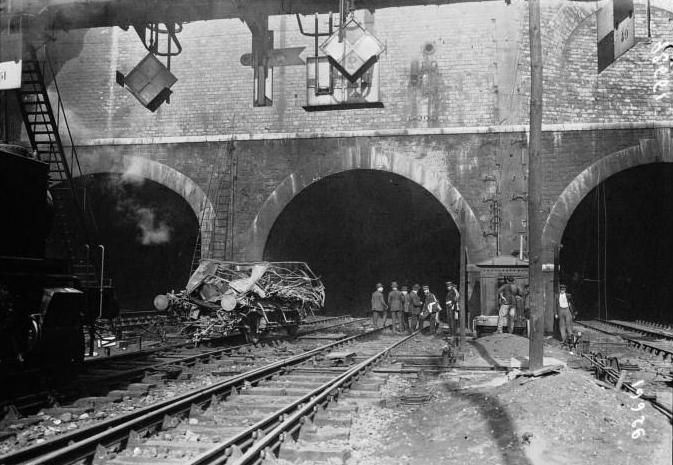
x,y
507,296
430,309
452,296
407,309
416,306
564,314
396,304
379,306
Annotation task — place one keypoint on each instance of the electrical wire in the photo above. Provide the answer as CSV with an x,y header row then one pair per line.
x,y
605,253
598,247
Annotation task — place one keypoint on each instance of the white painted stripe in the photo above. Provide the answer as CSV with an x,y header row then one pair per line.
x,y
565,127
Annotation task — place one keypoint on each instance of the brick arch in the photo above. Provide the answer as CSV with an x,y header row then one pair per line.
x,y
648,151
140,167
440,187
570,16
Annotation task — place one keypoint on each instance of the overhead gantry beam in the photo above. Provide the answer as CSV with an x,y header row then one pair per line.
x,y
79,14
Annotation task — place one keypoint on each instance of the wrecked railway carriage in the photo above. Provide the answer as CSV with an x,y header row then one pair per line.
x,y
223,298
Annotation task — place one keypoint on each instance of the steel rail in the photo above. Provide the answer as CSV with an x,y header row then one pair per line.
x,y
43,398
323,328
178,345
654,332
614,374
303,408
643,345
81,444
324,319
665,326
36,399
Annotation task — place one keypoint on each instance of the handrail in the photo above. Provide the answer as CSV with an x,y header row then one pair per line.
x,y
61,109
74,157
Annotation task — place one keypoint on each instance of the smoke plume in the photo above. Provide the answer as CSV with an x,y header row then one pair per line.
x,y
152,232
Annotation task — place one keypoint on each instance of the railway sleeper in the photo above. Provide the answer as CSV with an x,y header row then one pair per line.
x,y
325,439
214,433
131,460
166,449
292,384
275,391
99,401
306,378
248,410
306,452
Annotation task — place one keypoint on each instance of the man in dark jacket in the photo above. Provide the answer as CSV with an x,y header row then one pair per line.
x,y
379,306
396,305
407,309
416,305
452,296
430,310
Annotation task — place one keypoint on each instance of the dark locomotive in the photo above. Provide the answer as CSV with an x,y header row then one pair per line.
x,y
41,307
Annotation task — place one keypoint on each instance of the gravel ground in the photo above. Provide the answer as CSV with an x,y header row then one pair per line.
x,y
485,418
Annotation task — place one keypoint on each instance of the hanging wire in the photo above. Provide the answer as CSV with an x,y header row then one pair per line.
x,y
598,248
605,254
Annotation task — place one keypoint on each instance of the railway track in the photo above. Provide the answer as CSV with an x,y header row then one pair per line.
x,y
237,420
137,369
608,373
653,340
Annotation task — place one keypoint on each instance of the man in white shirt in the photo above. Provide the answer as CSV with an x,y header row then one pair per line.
x,y
564,313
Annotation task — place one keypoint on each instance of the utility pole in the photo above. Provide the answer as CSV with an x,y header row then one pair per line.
x,y
535,217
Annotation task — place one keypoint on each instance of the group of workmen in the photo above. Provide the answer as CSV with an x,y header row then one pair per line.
x,y
508,294
409,310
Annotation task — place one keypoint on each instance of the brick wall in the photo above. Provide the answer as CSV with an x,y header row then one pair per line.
x,y
479,166
623,91
481,52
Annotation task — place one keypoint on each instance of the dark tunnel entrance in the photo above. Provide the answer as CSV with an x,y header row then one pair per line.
x,y
149,232
360,227
617,250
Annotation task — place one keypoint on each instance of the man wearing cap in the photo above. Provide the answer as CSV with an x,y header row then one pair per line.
x,y
396,304
452,296
379,306
430,309
407,308
507,294
416,305
564,313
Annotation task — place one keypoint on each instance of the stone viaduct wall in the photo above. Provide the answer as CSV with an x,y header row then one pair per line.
x,y
460,169
462,137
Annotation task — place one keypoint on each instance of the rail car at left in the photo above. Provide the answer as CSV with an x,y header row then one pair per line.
x,y
42,305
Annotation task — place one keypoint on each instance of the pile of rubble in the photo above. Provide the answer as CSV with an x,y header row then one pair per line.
x,y
223,298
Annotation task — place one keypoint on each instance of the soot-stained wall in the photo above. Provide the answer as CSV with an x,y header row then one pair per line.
x,y
149,232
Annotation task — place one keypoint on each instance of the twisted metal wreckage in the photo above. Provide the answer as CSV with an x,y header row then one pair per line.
x,y
222,298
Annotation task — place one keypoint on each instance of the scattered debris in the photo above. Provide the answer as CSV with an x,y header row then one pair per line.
x,y
222,298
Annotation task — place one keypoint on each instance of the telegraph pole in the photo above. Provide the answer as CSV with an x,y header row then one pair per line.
x,y
535,216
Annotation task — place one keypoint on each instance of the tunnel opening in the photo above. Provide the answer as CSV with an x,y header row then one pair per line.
x,y
149,232
360,227
616,248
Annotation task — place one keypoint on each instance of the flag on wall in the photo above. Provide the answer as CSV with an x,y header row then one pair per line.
x,y
615,23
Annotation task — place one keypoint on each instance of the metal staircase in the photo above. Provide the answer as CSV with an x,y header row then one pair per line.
x,y
221,189
74,232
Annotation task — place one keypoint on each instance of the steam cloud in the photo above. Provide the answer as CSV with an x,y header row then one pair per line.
x,y
153,232
133,172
